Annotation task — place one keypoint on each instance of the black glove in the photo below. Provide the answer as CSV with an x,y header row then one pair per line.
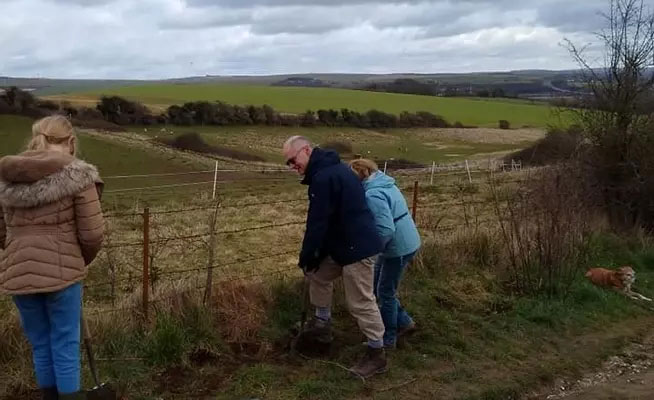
x,y
309,262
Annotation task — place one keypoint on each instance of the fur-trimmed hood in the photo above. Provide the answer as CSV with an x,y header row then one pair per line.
x,y
35,178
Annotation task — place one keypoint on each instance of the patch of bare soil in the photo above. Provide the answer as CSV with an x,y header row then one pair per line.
x,y
625,376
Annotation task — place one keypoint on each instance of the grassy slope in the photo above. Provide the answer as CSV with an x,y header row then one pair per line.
x,y
293,99
475,342
111,158
471,350
414,145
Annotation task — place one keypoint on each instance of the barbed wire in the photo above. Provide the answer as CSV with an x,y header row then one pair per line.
x,y
202,235
207,207
234,262
154,301
209,171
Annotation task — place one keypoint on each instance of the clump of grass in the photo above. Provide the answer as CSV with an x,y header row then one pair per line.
x,y
241,309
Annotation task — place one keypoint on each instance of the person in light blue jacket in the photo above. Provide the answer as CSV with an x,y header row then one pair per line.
x,y
401,240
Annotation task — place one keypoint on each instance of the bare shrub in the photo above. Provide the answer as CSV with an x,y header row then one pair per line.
x,y
559,145
544,223
616,112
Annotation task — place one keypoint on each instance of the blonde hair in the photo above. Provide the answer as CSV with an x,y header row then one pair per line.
x,y
54,130
363,167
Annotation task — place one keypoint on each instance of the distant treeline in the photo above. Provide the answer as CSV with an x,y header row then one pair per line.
x,y
119,111
445,89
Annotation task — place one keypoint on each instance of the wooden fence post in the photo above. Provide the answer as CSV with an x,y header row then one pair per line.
x,y
433,167
215,182
468,171
212,256
146,260
415,200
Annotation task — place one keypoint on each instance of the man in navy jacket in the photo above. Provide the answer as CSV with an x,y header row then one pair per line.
x,y
340,240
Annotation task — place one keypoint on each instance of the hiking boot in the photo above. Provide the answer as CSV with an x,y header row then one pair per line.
x,y
318,330
407,330
372,363
49,393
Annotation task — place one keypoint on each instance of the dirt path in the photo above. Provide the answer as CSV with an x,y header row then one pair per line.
x,y
626,376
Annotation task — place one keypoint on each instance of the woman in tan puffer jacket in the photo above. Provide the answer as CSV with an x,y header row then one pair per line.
x,y
51,228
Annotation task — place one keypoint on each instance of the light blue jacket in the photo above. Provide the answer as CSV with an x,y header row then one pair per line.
x,y
392,217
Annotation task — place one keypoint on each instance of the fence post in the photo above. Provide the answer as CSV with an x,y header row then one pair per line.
x,y
468,171
146,260
433,167
212,252
215,181
415,200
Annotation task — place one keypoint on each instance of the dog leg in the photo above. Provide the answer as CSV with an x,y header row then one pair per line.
x,y
640,296
637,296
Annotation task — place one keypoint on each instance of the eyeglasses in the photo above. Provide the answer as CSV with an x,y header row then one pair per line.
x,y
292,160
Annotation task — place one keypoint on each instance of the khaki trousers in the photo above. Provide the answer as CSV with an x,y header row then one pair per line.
x,y
359,295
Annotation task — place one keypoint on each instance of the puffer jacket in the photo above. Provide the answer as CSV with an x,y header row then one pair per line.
x,y
51,224
393,220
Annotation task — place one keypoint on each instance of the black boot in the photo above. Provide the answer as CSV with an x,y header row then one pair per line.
x,y
372,363
49,393
318,330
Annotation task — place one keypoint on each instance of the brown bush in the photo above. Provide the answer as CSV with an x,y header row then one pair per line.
x,y
339,147
194,142
559,145
97,124
399,163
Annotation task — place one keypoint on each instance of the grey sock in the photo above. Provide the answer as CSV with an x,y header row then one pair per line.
x,y
324,313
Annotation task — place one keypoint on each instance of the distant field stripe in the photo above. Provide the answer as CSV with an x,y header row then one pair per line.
x,y
480,112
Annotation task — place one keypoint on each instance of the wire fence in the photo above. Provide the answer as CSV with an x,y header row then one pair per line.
x,y
244,235
238,228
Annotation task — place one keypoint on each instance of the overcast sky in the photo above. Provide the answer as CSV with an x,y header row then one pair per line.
x,y
175,38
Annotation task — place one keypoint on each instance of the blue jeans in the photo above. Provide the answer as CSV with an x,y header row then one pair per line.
x,y
51,322
388,272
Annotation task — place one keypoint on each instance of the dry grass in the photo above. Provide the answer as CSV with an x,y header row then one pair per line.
x,y
482,135
241,307
16,374
241,300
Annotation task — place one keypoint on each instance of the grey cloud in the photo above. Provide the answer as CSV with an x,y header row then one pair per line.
x,y
200,20
283,3
166,38
570,16
303,20
86,3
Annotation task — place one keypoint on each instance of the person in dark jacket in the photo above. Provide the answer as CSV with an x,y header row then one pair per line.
x,y
340,240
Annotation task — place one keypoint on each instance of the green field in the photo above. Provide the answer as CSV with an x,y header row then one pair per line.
x,y
476,112
140,156
111,158
418,145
